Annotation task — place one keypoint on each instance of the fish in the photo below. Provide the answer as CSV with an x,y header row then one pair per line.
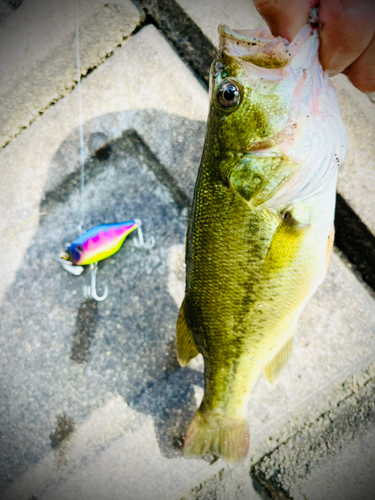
x,y
98,243
261,227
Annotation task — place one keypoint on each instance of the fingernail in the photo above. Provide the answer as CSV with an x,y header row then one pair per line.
x,y
357,8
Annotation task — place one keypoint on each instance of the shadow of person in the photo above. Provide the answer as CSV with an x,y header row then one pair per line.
x,y
172,404
77,354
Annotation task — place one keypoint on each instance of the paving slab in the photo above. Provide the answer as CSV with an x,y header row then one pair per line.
x,y
68,356
356,181
6,10
333,457
93,402
208,15
38,53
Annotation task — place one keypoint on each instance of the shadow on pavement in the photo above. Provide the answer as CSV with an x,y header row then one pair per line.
x,y
64,355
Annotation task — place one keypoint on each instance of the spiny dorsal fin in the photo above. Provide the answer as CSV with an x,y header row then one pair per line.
x,y
186,348
278,363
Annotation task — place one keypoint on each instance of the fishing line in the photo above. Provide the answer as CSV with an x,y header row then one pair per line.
x,y
99,242
82,156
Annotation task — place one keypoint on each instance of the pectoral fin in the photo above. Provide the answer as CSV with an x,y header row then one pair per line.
x,y
186,348
285,245
278,363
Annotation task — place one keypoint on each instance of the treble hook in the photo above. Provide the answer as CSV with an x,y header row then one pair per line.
x,y
140,242
89,291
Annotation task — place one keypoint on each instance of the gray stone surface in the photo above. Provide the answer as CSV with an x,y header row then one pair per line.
x,y
357,175
235,13
68,356
38,53
6,10
330,458
328,480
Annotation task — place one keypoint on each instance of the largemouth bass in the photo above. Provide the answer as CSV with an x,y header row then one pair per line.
x,y
261,227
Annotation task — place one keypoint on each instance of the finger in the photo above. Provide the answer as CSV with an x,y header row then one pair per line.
x,y
346,29
285,17
362,72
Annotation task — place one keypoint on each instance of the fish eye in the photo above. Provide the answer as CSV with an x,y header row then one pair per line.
x,y
228,94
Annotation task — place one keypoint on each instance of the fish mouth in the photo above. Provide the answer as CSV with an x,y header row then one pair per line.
x,y
265,153
257,46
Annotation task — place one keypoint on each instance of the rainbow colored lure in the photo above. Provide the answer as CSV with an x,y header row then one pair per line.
x,y
98,243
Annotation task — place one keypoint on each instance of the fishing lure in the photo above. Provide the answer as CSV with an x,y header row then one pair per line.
x,y
99,243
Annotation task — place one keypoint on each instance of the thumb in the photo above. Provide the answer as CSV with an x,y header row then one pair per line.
x,y
285,17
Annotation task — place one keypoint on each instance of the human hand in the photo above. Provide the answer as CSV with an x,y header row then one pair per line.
x,y
347,33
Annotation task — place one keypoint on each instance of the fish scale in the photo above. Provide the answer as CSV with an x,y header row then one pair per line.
x,y
252,266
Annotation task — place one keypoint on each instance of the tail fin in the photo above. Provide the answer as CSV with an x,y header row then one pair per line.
x,y
228,438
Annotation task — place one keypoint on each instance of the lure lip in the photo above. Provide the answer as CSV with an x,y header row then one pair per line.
x,y
69,266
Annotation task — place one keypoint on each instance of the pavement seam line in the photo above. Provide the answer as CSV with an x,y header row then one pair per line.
x,y
70,87
185,36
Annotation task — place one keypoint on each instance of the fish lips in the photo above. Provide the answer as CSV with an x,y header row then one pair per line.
x,y
256,46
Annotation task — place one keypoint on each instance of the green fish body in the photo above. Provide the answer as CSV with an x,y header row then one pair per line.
x,y
254,256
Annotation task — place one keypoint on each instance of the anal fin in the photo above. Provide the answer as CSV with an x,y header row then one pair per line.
x,y
186,348
274,367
